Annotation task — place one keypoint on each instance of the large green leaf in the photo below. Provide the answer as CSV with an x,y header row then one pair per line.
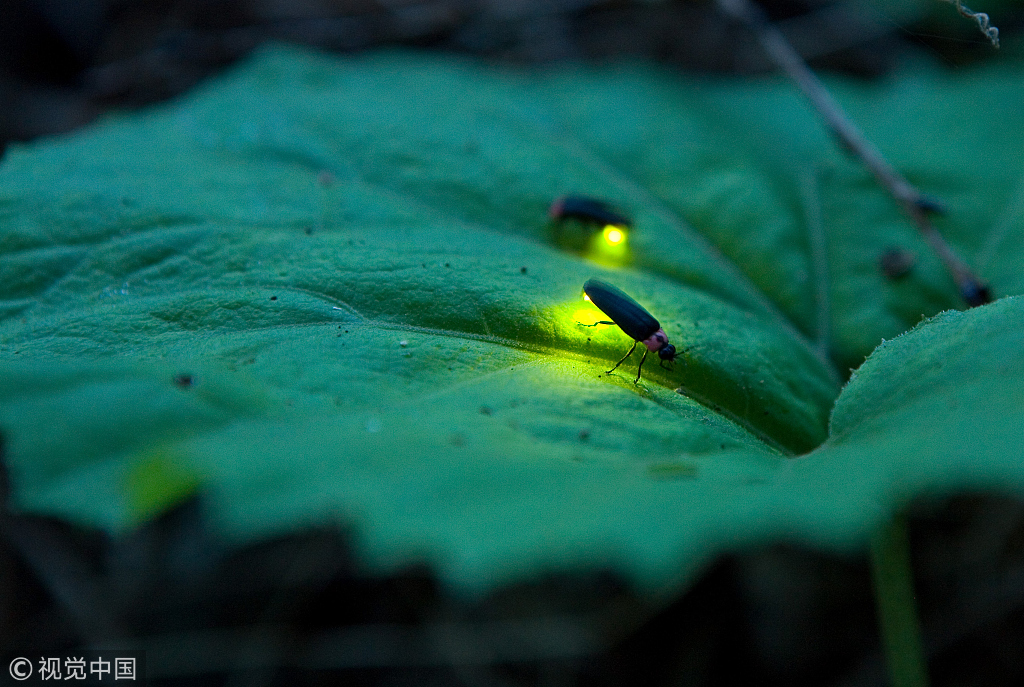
x,y
327,290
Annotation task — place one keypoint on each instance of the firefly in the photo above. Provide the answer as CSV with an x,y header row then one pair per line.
x,y
632,318
587,210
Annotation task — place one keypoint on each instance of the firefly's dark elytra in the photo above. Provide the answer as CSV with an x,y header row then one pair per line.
x,y
632,318
587,210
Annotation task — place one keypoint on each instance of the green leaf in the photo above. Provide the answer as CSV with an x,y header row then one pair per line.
x,y
324,289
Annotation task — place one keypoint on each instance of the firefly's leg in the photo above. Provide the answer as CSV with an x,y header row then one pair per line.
x,y
624,357
595,324
641,366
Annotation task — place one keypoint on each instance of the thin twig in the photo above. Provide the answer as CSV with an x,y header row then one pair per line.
x,y
991,32
914,203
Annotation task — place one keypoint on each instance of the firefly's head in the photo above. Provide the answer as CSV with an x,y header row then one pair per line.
x,y
658,342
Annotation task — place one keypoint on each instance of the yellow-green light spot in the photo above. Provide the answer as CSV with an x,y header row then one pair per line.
x,y
613,235
610,246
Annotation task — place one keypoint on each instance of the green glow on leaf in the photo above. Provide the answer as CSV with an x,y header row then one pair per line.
x,y
156,481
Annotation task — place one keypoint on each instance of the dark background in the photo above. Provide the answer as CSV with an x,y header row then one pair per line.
x,y
62,62
296,610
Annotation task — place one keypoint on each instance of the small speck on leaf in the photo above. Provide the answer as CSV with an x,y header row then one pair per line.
x,y
185,380
896,263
